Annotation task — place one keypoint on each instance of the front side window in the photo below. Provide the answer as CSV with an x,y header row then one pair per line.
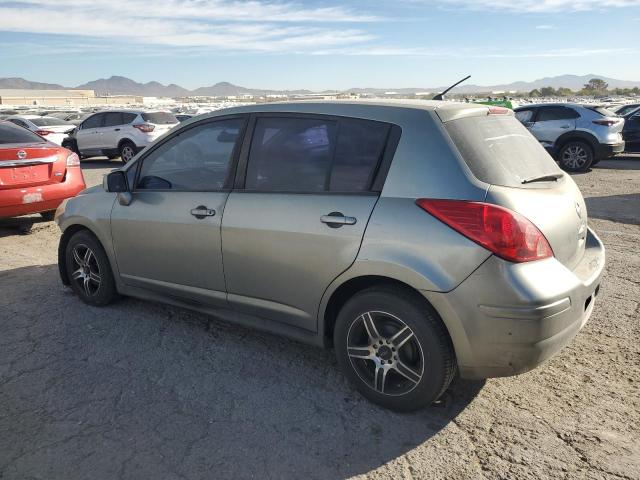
x,y
93,122
196,160
290,154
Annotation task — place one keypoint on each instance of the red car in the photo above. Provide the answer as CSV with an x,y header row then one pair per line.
x,y
35,175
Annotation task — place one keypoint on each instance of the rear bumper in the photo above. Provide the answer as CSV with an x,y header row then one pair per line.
x,y
604,150
26,200
508,318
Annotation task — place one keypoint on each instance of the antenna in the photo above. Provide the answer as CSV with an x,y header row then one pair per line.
x,y
440,96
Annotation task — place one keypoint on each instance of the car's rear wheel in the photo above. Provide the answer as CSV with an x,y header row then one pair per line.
x,y
393,348
88,269
575,157
127,151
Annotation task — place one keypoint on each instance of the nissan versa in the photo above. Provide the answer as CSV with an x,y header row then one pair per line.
x,y
420,239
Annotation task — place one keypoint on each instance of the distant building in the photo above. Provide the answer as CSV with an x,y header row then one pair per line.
x,y
71,98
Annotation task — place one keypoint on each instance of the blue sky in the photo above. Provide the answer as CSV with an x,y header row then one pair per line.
x,y
328,44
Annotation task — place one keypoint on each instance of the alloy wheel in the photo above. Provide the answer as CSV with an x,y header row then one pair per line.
x,y
86,271
385,353
127,153
575,156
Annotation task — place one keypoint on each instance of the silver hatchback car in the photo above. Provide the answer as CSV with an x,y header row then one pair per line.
x,y
419,239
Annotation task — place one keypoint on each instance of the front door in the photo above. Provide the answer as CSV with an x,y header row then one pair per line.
x,y
297,220
168,238
87,136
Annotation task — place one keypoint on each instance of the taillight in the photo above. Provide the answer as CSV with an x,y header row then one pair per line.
x,y
607,122
506,233
145,127
43,133
73,160
494,110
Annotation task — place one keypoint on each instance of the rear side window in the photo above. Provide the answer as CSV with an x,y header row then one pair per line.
x,y
159,118
315,154
603,111
546,114
112,119
524,115
127,118
499,150
12,134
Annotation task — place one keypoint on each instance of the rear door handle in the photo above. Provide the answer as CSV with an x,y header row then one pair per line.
x,y
201,212
337,220
117,130
564,127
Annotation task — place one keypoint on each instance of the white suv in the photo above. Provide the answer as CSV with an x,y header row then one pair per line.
x,y
118,133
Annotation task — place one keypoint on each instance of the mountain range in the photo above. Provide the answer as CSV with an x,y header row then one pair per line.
x,y
118,85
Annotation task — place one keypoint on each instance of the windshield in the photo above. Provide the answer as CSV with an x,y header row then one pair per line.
x,y
159,118
499,150
49,122
13,134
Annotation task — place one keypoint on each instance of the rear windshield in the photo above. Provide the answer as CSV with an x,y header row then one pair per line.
x,y
602,111
499,150
159,118
10,133
49,121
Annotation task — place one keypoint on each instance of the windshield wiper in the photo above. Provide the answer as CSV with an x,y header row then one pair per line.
x,y
544,178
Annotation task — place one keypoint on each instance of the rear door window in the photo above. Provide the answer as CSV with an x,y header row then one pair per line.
x,y
309,155
112,119
499,150
546,114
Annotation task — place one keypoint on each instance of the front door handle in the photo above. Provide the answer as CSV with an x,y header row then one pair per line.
x,y
117,130
201,212
337,220
564,127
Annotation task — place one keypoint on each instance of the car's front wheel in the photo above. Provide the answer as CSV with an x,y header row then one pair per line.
x,y
393,348
88,270
575,157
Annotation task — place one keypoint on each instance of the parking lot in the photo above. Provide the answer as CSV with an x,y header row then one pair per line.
x,y
142,390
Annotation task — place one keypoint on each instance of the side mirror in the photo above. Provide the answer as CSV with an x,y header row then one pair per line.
x,y
116,182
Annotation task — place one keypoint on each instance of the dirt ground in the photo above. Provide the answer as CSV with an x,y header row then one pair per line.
x,y
139,390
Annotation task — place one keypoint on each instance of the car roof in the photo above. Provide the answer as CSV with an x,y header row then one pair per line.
x,y
445,110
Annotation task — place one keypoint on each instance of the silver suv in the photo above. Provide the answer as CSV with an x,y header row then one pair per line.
x,y
419,239
577,136
118,133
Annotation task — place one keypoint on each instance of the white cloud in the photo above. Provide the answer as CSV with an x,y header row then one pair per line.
x,y
256,25
545,27
542,6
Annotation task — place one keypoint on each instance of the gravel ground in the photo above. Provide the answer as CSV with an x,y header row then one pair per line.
x,y
141,390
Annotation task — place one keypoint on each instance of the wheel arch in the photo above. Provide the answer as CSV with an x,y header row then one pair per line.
x,y
126,140
350,287
577,136
69,232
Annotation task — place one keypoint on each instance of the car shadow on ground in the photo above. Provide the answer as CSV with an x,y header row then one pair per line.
x,y
616,208
141,390
19,225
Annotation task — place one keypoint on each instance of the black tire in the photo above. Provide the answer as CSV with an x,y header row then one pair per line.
x,y
426,350
92,291
71,145
127,151
48,216
576,156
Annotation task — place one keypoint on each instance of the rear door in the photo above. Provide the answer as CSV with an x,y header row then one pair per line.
x,y
168,238
551,122
304,193
87,135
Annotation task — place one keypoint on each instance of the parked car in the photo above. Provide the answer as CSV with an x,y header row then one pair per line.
x,y
631,131
182,117
74,117
118,133
419,239
53,129
577,136
625,109
36,175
